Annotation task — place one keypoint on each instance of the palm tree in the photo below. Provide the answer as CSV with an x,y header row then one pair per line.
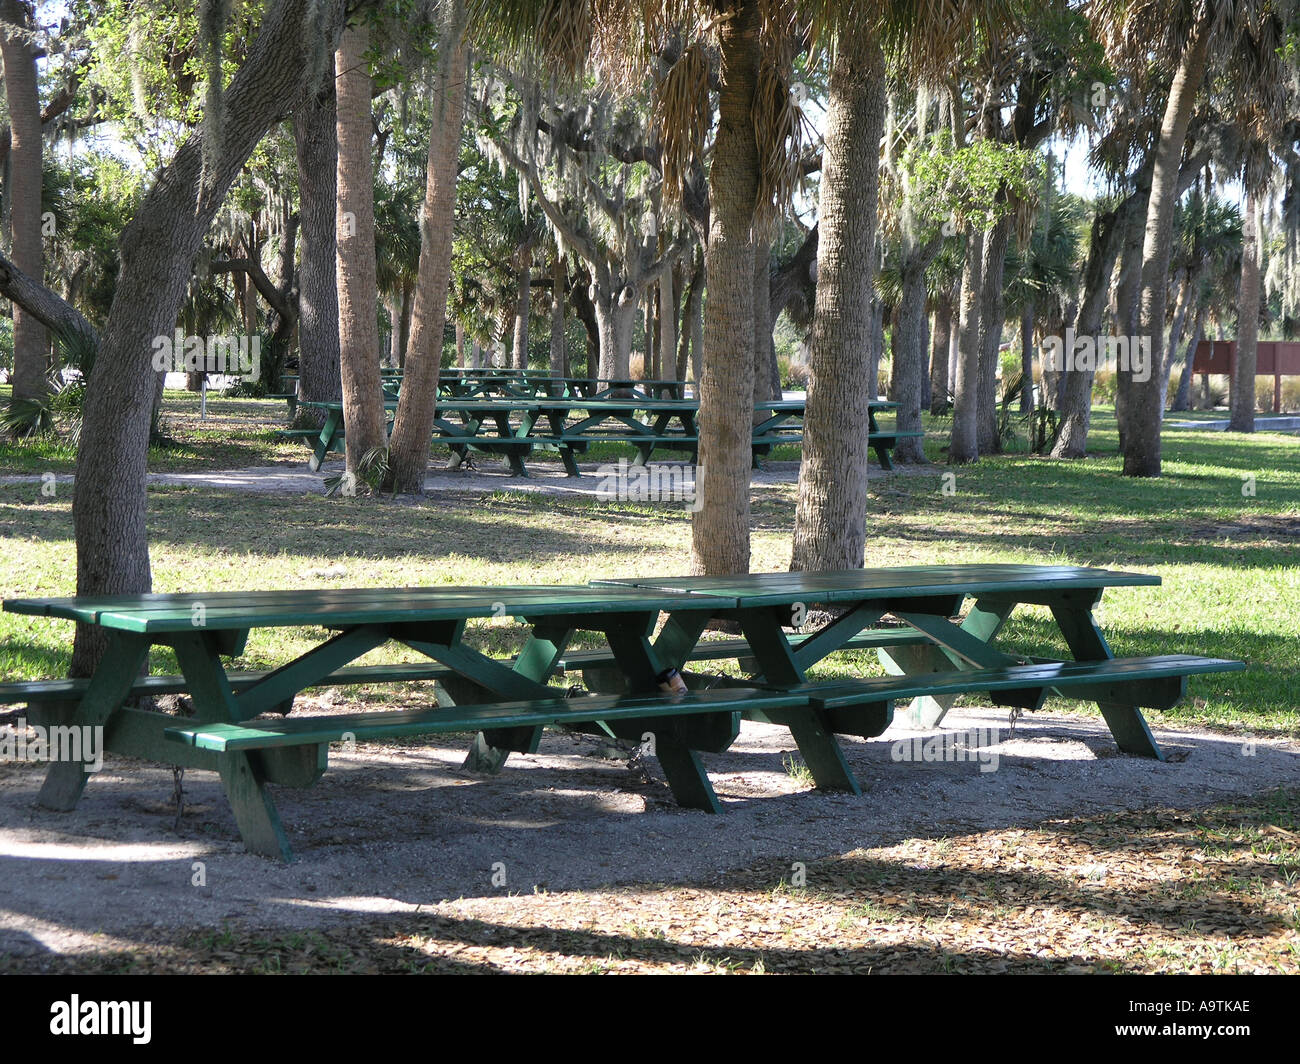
x,y
416,406
1041,274
18,50
363,395
830,520
1244,37
752,171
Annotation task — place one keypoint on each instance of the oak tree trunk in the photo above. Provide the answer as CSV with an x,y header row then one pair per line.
x,y
157,251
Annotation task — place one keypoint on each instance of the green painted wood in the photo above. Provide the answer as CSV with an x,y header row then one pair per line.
x,y
685,773
723,649
677,641
245,784
834,636
123,659
1125,720
344,608
762,630
1131,673
865,721
815,737
536,661
139,733
34,691
290,766
894,584
268,734
308,670
255,813
982,623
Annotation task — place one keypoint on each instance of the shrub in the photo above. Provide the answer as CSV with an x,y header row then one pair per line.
x,y
1264,395
1104,386
1291,394
246,388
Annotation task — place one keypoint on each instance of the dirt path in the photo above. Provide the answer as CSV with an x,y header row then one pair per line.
x,y
394,829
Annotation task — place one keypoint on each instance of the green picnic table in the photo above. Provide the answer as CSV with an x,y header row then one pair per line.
x,y
933,658
512,427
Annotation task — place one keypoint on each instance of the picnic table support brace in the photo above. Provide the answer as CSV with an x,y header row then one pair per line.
x,y
982,622
119,668
809,728
681,765
244,782
1087,643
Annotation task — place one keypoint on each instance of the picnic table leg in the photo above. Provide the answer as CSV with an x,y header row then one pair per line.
x,y
242,777
536,662
325,440
810,729
117,671
1087,643
681,765
982,622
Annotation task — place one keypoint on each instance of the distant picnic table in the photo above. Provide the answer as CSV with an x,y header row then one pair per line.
x,y
513,427
935,656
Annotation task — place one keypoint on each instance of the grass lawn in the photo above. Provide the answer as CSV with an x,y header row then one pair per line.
x,y
1221,528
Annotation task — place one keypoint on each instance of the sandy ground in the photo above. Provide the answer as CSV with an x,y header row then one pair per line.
x,y
393,827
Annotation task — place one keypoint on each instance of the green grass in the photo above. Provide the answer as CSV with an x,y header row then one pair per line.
x,y
1231,585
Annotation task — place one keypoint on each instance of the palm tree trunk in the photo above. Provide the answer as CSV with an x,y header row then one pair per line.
x,y
939,354
762,327
1027,359
24,190
1141,444
688,351
363,396
1183,398
523,305
720,526
559,353
1242,403
831,511
1176,330
964,446
909,356
991,322
409,457
1108,231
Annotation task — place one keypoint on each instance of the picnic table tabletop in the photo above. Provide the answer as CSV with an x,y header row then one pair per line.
x,y
761,589
339,607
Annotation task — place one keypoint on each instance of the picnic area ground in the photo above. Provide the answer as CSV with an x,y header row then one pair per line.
x,y
1069,857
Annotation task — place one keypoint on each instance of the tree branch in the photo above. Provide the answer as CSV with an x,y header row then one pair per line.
x,y
61,318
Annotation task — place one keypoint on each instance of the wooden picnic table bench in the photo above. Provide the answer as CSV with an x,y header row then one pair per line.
x,y
509,702
513,427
